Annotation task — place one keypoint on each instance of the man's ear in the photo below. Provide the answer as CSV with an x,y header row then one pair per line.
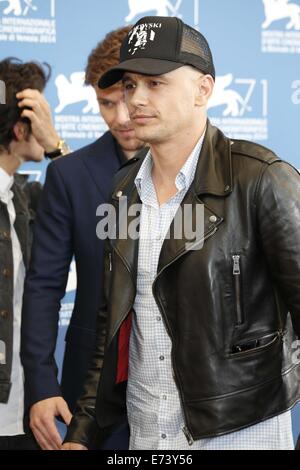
x,y
205,89
20,131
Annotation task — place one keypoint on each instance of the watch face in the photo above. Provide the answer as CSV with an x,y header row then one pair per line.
x,y
63,147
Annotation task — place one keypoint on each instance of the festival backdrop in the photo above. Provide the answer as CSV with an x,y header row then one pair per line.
x,y
256,49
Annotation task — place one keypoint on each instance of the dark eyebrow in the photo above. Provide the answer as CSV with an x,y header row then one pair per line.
x,y
125,78
105,101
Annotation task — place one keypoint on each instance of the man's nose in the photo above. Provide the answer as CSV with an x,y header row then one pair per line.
x,y
138,97
122,114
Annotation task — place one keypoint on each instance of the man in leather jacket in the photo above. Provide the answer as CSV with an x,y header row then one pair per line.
x,y
199,349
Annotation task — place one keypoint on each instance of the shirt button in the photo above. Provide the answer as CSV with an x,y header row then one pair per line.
x,y
164,397
5,235
158,318
163,436
213,219
3,313
161,358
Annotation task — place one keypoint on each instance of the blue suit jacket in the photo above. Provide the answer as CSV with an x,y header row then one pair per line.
x,y
66,227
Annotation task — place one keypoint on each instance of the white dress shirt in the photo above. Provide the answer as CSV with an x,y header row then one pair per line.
x,y
11,413
154,408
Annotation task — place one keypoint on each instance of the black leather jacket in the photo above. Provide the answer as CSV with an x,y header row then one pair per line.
x,y
25,200
224,306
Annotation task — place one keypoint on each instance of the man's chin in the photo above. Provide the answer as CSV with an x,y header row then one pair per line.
x,y
130,144
37,159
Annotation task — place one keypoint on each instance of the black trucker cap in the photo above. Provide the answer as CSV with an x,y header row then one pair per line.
x,y
157,45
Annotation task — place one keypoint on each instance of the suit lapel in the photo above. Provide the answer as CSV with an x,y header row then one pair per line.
x,y
102,163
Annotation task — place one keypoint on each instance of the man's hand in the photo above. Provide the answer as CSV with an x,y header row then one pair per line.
x,y
40,117
42,421
73,446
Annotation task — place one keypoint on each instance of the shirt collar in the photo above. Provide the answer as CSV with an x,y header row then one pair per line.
x,y
185,176
6,182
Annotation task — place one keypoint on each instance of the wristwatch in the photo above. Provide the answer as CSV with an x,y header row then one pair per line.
x,y
62,148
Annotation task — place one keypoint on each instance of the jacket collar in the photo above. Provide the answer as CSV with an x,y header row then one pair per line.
x,y
214,170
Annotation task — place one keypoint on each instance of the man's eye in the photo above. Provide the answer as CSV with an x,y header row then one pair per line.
x,y
129,86
155,83
107,104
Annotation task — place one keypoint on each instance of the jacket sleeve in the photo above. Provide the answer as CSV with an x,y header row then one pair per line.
x,y
83,428
44,288
278,212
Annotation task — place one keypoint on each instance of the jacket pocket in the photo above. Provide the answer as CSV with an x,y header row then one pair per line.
x,y
237,283
253,345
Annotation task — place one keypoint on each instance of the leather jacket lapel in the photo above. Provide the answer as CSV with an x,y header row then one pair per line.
x,y
213,177
172,247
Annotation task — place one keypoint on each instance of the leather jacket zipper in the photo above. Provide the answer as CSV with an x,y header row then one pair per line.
x,y
237,287
188,436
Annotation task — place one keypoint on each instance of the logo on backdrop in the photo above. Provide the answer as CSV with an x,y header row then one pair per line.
x,y
17,7
296,92
239,106
160,7
74,91
77,112
30,21
281,27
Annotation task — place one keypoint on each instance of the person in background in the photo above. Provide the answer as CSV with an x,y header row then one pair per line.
x,y
65,228
19,143
35,107
196,338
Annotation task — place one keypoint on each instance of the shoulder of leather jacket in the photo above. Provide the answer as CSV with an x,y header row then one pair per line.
x,y
253,150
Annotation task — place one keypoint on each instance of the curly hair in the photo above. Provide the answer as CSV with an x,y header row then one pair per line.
x,y
105,55
18,76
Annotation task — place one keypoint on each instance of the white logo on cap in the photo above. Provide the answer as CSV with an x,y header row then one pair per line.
x,y
140,36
